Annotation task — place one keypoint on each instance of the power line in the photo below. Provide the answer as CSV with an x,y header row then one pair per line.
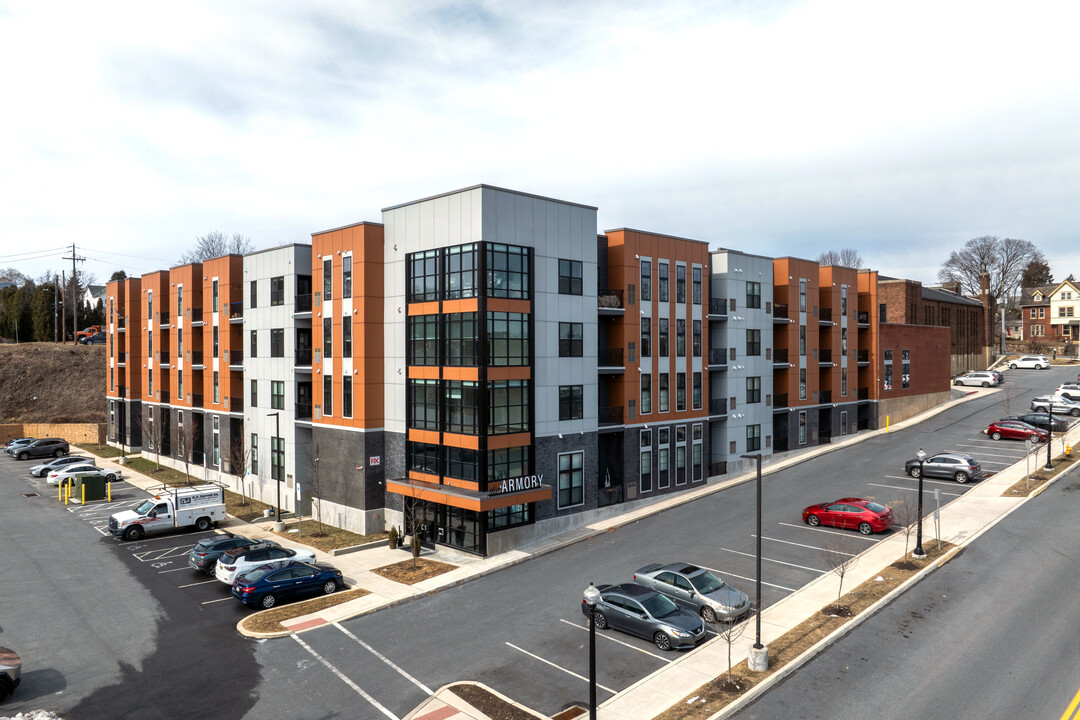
x,y
138,257
32,255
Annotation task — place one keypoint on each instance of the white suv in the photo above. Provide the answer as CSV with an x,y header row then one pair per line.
x,y
235,563
1036,362
984,379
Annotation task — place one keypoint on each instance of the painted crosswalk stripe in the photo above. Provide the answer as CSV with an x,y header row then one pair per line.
x,y
344,678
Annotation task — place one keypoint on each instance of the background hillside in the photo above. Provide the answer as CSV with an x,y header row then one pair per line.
x,y
49,383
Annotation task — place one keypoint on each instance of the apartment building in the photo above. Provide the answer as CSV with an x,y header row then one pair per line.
x,y
124,353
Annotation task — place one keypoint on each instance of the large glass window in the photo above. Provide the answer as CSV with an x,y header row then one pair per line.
x,y
462,407
423,457
346,276
507,271
645,481
662,351
680,283
422,397
423,276
680,338
663,456
277,291
571,479
508,402
646,393
509,517
680,391
802,428
277,342
508,338
843,382
461,269
802,383
508,463
646,337
277,394
664,392
802,341
328,279
646,280
423,343
571,402
462,463
254,393
662,281
570,339
217,387
753,295
214,297
216,337
905,368
802,295
570,277
277,458
461,339
255,454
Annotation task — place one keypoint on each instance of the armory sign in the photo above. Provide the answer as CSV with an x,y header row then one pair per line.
x,y
528,482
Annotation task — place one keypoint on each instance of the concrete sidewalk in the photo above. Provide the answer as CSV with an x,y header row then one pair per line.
x,y
962,520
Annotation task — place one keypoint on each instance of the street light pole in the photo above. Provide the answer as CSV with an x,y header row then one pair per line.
x,y
759,655
275,441
591,596
1050,432
919,553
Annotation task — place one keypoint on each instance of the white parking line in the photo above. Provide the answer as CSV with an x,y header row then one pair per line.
x,y
951,483
162,572
210,602
568,672
345,679
827,531
778,562
750,579
605,636
203,582
386,660
153,555
898,487
1019,453
789,542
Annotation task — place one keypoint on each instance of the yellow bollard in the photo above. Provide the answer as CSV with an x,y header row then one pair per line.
x,y
1068,450
886,423
108,491
84,495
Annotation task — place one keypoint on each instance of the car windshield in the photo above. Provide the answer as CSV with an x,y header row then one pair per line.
x,y
660,606
706,583
257,574
875,507
146,507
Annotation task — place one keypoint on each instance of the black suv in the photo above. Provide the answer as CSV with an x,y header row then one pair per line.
x,y
204,556
46,447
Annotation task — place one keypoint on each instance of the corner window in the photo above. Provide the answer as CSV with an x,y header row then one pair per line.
x,y
508,272
461,268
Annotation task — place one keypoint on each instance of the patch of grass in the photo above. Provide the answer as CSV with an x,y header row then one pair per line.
x,y
269,621
1023,488
324,537
166,475
711,697
103,451
408,573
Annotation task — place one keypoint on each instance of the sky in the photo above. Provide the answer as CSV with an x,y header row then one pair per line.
x,y
779,128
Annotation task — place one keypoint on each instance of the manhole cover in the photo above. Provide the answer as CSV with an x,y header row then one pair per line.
x,y
30,495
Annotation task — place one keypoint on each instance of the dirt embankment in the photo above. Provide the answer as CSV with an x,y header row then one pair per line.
x,y
49,383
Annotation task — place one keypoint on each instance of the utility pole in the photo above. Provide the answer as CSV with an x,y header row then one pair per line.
x,y
74,300
63,315
56,306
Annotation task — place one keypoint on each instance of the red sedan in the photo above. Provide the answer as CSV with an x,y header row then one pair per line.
x,y
1016,430
865,515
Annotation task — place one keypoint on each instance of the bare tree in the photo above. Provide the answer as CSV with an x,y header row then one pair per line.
x,y
239,457
215,244
151,432
730,629
905,516
185,443
840,554
1003,259
311,451
412,504
848,257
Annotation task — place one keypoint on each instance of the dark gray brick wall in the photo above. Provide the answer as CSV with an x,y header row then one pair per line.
x,y
345,475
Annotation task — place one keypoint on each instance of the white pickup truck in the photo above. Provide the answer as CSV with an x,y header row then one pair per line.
x,y
169,509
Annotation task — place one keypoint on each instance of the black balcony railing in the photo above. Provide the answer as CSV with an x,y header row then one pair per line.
x,y
303,357
163,317
779,400
717,406
236,309
718,356
780,311
863,317
718,468
864,356
164,396
303,411
234,357
826,396
197,400
779,355
717,306
121,322
609,357
303,303
121,357
825,314
196,357
610,416
825,356
236,404
864,393
163,357
609,298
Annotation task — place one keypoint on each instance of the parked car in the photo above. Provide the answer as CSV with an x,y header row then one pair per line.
x,y
266,585
1030,362
66,473
1041,420
867,516
1061,405
999,375
204,556
97,338
42,448
696,589
87,332
981,378
56,463
646,613
1070,391
234,563
10,672
12,445
960,467
1016,430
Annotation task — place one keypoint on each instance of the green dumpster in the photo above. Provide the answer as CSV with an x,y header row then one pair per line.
x,y
88,486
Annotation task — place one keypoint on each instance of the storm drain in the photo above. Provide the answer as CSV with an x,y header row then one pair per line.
x,y
30,495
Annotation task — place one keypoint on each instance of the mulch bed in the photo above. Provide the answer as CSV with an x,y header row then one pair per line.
x,y
490,704
410,572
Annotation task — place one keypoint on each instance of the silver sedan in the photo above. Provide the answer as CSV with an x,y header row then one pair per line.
x,y
696,589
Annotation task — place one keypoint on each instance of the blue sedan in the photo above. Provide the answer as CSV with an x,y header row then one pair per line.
x,y
265,585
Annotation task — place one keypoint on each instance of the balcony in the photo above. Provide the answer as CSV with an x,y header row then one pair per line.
x,y
163,396
780,313
779,356
779,400
303,411
610,302
303,357
826,396
825,357
195,315
609,416
236,404
718,358
235,359
197,401
609,360
718,309
163,359
236,312
718,407
302,305
121,359
864,393
163,319
121,323
197,360
863,318
825,316
864,357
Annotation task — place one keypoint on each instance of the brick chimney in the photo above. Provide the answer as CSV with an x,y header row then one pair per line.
x,y
952,286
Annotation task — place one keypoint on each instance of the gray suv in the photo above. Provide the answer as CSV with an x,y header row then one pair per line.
x,y
947,465
46,447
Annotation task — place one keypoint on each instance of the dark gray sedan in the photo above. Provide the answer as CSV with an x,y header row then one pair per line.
x,y
695,588
647,614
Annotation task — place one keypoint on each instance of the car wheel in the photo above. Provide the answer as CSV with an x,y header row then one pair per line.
x,y
985,384
662,641
202,524
22,456
58,453
996,436
865,528
1012,366
1035,438
958,382
210,567
109,477
329,587
599,620
961,477
133,533
268,600
915,472
707,614
1074,412
813,521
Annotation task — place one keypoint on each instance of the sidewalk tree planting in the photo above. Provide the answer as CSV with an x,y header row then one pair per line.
x,y
840,554
151,431
185,442
729,630
311,453
905,517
